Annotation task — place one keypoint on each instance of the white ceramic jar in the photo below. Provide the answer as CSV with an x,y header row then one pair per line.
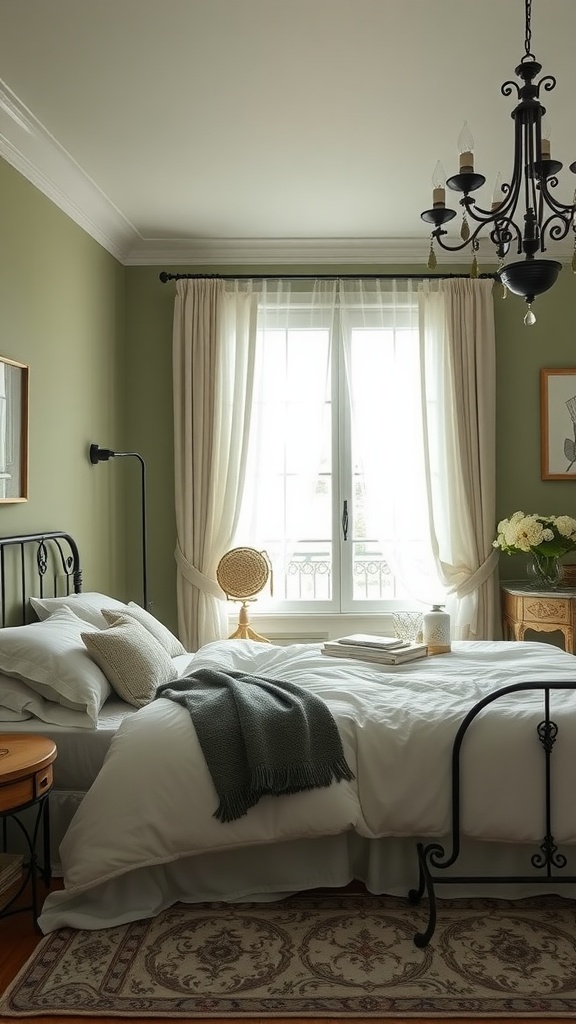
x,y
436,630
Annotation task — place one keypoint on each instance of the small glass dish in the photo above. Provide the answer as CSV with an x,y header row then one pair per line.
x,y
408,626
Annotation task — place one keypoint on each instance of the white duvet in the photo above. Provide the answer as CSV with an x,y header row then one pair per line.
x,y
153,801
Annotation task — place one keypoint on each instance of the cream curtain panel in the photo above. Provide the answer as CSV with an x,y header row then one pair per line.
x,y
214,339
458,367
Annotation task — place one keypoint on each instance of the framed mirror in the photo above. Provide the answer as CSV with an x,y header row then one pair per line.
x,y
14,379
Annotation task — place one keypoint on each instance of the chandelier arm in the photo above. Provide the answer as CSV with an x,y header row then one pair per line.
x,y
507,88
505,210
561,209
556,226
547,82
510,203
530,126
487,217
505,234
458,246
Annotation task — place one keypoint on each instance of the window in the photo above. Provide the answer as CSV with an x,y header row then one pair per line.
x,y
335,488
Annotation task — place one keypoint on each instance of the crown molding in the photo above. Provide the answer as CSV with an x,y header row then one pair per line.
x,y
27,145
278,251
317,251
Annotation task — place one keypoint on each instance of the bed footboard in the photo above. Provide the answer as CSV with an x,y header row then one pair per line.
x,y
546,862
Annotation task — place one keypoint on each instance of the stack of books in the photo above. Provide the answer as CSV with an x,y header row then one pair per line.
x,y
10,872
385,650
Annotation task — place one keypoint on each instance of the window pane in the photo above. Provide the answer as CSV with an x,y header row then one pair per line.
x,y
389,498
372,576
288,508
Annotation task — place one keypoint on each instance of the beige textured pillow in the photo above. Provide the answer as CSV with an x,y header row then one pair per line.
x,y
161,632
132,660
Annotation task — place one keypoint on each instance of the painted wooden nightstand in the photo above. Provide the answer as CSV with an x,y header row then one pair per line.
x,y
544,611
25,782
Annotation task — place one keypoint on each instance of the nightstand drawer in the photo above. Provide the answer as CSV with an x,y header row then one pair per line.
x,y
14,794
542,609
22,791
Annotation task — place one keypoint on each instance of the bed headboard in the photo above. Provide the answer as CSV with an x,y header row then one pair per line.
x,y
36,565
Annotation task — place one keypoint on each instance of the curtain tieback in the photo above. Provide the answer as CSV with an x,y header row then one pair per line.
x,y
478,577
196,578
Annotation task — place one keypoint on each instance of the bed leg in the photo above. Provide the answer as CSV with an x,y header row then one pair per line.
x,y
422,939
415,895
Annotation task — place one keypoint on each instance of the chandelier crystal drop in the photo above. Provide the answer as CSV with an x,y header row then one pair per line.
x,y
525,214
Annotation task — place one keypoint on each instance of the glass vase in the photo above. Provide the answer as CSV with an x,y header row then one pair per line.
x,y
544,571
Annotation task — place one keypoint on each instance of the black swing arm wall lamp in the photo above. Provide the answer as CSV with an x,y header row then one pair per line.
x,y
97,455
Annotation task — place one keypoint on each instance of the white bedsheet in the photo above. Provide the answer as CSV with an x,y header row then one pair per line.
x,y
153,801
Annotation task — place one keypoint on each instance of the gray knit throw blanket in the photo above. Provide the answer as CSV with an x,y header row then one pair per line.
x,y
259,736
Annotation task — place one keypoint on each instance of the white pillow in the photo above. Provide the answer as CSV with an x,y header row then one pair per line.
x,y
159,631
85,606
50,658
134,662
19,703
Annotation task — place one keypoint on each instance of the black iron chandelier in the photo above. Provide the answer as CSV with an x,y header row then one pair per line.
x,y
529,193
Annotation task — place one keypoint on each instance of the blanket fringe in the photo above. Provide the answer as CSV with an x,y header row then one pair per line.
x,y
302,775
280,781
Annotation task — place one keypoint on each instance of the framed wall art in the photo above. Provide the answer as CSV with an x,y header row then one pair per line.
x,y
558,424
14,382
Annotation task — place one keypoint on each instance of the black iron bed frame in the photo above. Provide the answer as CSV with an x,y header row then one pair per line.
x,y
57,552
36,557
56,558
433,855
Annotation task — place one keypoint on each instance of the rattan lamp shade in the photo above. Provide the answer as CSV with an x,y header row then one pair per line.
x,y
242,573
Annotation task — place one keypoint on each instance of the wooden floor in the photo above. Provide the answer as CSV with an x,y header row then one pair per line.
x,y
18,939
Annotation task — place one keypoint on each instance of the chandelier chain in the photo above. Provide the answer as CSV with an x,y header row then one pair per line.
x,y
528,37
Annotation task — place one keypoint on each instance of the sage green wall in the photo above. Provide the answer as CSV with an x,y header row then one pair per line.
x,y
62,298
148,398
521,352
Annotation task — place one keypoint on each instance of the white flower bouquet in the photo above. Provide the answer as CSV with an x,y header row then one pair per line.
x,y
547,536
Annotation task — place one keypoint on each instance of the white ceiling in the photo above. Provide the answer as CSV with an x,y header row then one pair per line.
x,y
236,131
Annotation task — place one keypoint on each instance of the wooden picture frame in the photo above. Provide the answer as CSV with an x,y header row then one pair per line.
x,y
14,413
558,424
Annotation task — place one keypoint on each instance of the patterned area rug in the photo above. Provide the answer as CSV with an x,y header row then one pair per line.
x,y
312,956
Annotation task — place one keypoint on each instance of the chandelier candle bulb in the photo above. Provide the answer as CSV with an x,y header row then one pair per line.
x,y
439,186
466,162
497,198
465,147
436,630
545,149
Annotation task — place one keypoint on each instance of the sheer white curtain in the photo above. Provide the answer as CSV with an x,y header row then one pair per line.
x,y
214,339
290,413
382,367
459,397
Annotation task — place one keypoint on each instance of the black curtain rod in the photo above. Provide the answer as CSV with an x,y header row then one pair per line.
x,y
165,276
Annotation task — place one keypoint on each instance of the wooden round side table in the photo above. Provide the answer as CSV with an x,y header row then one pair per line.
x,y
25,782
